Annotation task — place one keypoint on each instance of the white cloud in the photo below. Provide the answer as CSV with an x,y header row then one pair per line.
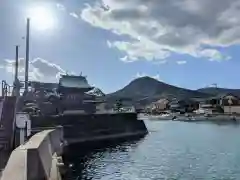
x,y
61,7
127,59
74,15
181,62
214,55
160,62
157,76
136,50
156,28
39,69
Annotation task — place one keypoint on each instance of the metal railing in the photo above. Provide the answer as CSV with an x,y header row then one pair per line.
x,y
11,91
6,89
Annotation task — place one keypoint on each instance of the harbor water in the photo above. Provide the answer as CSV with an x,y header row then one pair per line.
x,y
171,151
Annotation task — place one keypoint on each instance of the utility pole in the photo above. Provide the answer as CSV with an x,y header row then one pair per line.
x,y
16,84
16,65
27,54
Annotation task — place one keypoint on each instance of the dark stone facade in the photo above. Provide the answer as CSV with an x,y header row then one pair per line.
x,y
79,128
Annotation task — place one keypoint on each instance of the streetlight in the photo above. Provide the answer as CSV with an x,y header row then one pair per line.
x,y
27,54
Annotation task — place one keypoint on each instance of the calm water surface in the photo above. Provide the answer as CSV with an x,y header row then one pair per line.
x,y
172,150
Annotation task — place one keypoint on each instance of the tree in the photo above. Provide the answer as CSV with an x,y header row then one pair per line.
x,y
118,105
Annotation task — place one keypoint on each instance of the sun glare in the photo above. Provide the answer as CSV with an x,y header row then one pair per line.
x,y
42,18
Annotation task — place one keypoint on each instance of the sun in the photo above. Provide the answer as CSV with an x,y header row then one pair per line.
x,y
42,18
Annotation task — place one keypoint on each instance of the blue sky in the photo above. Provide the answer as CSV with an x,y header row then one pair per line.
x,y
188,43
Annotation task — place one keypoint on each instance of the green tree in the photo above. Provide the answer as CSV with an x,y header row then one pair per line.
x,y
118,105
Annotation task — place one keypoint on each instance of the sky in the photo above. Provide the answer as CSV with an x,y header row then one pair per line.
x,y
187,43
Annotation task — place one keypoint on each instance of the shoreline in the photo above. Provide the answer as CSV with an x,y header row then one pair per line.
x,y
193,118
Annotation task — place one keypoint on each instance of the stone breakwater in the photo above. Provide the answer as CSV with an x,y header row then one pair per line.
x,y
40,157
79,128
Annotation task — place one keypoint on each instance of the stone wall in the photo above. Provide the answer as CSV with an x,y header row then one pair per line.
x,y
82,127
37,159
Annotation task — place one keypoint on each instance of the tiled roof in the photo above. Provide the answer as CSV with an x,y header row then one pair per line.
x,y
37,85
74,82
162,101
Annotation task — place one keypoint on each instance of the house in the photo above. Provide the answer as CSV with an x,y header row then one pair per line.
x,y
210,105
229,100
227,103
139,108
230,103
183,105
206,107
161,104
158,106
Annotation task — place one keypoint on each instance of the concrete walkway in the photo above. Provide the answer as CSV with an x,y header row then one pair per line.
x,y
37,159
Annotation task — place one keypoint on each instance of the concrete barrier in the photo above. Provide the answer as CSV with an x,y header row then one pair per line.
x,y
38,158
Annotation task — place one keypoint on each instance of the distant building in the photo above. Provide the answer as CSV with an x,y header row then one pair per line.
x,y
209,105
139,107
70,94
183,105
73,94
177,105
101,107
229,100
230,103
74,83
160,105
227,103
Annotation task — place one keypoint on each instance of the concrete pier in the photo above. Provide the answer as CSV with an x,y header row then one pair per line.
x,y
39,158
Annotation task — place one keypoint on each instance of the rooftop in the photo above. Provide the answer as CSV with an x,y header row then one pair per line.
x,y
72,81
36,84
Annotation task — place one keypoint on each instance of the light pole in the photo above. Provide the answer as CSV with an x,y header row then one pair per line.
x,y
27,54
16,64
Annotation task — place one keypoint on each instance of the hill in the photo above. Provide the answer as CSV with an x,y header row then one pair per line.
x,y
219,91
146,90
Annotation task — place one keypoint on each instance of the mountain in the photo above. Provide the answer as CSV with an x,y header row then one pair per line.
x,y
219,91
146,90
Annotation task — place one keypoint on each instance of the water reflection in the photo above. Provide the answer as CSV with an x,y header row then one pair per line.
x,y
86,162
172,150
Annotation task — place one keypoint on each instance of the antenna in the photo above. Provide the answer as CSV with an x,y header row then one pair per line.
x,y
215,84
